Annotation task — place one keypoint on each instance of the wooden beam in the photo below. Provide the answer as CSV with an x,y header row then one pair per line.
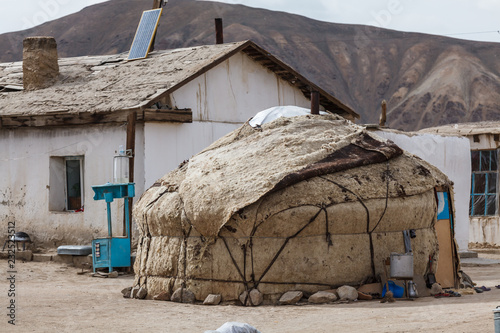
x,y
87,118
131,120
314,102
176,116
62,119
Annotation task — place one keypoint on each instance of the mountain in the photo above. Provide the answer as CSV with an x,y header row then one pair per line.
x,y
426,80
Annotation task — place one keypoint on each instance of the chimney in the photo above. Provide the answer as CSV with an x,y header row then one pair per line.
x,y
40,66
219,33
314,102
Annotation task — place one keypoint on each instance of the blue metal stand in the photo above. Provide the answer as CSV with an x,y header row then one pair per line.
x,y
113,251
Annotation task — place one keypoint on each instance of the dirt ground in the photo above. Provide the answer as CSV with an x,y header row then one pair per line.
x,y
52,297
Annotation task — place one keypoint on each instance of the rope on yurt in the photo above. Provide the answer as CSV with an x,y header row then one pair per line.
x,y
372,255
238,281
284,244
328,236
234,262
387,175
184,242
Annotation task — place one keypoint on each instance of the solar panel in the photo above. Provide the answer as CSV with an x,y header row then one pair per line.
x,y
144,34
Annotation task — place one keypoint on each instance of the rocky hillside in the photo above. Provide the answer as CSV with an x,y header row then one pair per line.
x,y
427,80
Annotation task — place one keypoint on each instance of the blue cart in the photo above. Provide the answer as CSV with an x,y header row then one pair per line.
x,y
113,251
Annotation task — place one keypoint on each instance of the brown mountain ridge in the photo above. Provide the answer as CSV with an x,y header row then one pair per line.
x,y
426,80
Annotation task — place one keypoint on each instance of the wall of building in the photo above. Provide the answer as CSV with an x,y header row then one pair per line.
x,y
221,100
451,155
25,181
484,229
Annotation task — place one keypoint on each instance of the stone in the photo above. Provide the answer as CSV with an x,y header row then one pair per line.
x,y
254,298
141,293
113,274
290,297
163,296
212,299
183,295
126,292
347,293
322,297
436,289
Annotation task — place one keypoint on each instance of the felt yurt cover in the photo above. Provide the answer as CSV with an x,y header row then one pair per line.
x,y
304,203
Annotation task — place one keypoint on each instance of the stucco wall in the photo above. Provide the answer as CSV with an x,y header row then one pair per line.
x,y
221,100
451,155
24,181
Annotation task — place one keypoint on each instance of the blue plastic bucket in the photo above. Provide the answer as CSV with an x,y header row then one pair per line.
x,y
398,292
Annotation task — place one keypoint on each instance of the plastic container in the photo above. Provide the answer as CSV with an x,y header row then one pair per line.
x,y
120,170
402,266
396,290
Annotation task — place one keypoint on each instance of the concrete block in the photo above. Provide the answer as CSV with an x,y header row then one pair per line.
x,y
42,257
82,261
63,258
468,254
24,255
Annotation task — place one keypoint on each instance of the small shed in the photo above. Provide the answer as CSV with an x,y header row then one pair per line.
x,y
303,203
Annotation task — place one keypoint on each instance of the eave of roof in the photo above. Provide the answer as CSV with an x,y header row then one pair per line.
x,y
465,129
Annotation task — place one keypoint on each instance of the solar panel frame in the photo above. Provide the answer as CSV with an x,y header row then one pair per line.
x,y
144,34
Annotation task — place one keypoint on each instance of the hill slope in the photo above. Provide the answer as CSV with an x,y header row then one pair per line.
x,y
427,80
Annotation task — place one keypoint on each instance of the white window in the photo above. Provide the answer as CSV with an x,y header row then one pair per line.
x,y
66,183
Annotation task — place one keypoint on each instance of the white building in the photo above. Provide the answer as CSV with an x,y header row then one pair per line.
x,y
451,155
484,138
56,142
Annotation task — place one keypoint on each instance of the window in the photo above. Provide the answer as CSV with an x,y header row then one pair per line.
x,y
484,183
66,183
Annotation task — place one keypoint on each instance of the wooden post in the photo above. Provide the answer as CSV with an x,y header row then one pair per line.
x,y
383,114
131,120
219,33
314,102
156,5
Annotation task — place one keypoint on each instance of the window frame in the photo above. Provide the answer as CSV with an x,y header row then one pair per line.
x,y
58,183
487,174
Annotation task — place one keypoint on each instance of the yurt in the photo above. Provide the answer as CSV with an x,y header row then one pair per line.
x,y
308,203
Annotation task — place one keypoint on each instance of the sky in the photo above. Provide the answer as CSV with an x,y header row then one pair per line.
x,y
466,19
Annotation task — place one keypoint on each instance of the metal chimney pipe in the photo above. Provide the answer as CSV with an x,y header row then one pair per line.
x,y
314,102
219,33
